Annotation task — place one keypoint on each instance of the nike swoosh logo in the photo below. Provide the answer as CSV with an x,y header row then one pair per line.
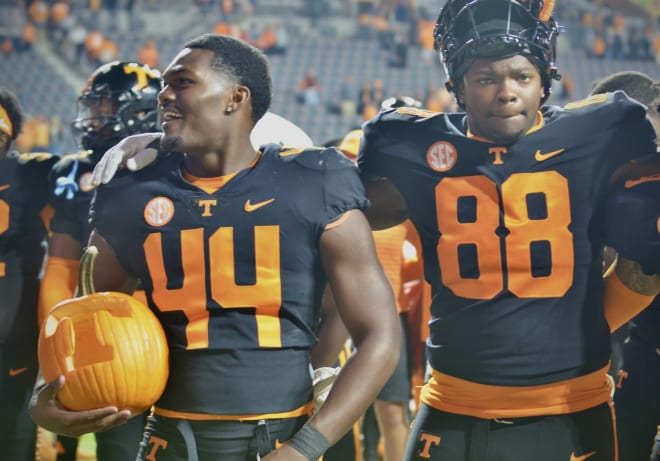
x,y
5,187
634,182
543,157
250,207
14,372
583,457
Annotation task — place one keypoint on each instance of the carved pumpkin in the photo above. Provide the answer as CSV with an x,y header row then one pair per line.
x,y
110,348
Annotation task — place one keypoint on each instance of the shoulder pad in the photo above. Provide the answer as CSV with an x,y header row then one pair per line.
x,y
606,101
318,158
76,156
422,113
287,151
35,157
65,161
403,114
595,99
602,111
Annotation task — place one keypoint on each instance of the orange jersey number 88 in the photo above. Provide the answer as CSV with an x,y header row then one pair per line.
x,y
522,231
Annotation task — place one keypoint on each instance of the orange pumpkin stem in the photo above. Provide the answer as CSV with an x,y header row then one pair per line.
x,y
86,272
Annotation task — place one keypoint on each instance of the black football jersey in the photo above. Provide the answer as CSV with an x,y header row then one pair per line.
x,y
23,195
70,194
633,221
646,325
511,234
235,276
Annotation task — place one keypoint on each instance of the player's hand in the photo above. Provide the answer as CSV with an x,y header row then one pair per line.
x,y
323,380
46,412
134,152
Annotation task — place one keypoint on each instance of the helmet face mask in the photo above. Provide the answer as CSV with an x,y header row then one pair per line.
x,y
497,29
120,99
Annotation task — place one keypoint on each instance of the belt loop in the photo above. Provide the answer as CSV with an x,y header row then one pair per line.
x,y
479,440
262,436
183,425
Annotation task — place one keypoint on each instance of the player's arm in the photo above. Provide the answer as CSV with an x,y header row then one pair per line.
x,y
628,291
632,229
60,273
388,208
109,275
365,302
366,305
332,334
45,410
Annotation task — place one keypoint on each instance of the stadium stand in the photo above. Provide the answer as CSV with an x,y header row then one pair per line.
x,y
332,47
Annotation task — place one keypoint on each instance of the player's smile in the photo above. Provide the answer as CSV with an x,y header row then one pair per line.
x,y
168,116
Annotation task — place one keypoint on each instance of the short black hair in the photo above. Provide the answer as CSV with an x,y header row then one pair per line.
x,y
245,62
635,84
9,101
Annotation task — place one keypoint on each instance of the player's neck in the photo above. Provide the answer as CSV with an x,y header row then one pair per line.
x,y
214,164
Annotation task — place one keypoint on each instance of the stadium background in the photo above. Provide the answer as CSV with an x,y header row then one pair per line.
x,y
335,39
47,51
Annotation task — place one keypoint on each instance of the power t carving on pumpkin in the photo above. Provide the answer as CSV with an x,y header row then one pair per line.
x,y
110,348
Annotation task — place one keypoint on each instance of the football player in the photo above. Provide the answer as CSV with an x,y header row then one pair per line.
x,y
234,246
634,230
633,227
119,99
23,197
509,199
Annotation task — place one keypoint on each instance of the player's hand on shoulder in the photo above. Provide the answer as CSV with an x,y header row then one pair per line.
x,y
134,152
47,412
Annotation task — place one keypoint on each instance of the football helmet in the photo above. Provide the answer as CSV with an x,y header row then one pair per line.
x,y
119,99
471,29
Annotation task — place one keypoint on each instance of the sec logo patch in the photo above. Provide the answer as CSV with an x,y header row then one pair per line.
x,y
159,211
441,156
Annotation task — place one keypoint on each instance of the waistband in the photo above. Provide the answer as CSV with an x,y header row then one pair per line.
x,y
455,395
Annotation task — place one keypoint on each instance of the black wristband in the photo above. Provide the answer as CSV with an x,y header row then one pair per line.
x,y
309,442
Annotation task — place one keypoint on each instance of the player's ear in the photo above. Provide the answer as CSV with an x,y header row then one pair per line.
x,y
241,94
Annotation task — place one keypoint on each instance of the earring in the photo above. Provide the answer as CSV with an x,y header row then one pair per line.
x,y
229,109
